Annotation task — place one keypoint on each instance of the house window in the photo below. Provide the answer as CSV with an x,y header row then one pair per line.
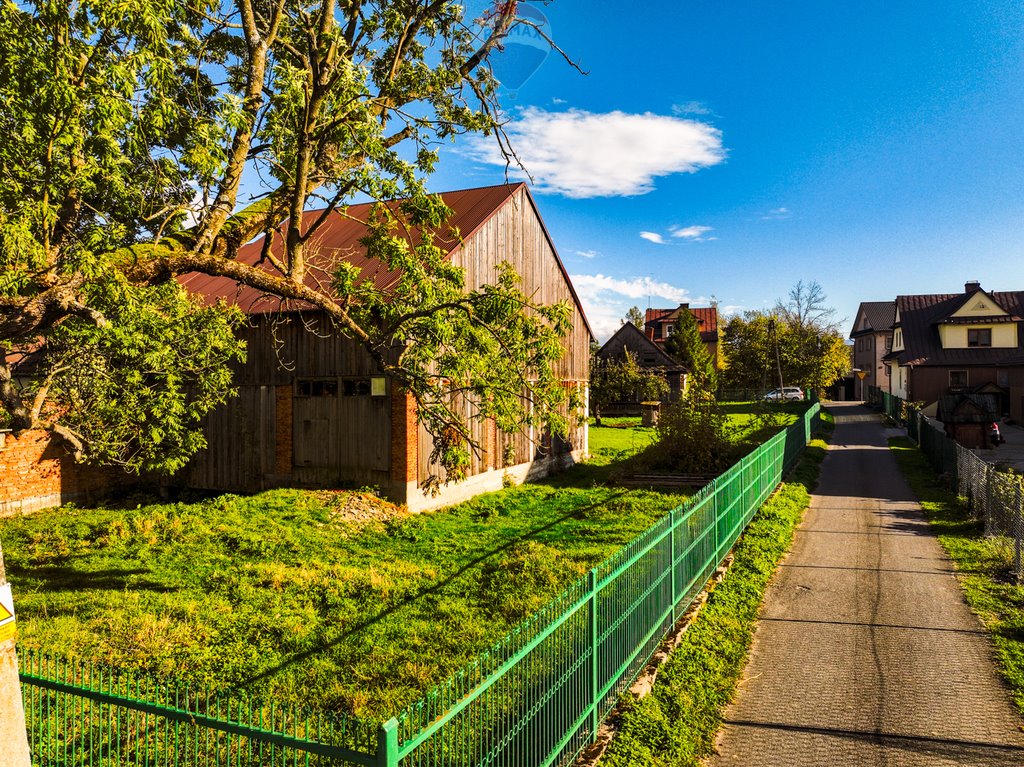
x,y
888,344
666,329
957,379
979,336
312,387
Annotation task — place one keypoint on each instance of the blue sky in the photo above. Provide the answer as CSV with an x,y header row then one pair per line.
x,y
730,149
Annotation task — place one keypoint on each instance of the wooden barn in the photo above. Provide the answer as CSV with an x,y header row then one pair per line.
x,y
314,410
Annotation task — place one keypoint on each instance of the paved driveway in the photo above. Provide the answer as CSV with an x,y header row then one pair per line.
x,y
866,653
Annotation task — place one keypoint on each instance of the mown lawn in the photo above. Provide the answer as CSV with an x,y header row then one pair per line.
x,y
308,597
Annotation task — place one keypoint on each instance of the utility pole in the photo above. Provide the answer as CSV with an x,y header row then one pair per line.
x,y
13,735
778,361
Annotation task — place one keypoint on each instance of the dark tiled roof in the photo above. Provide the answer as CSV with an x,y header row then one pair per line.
x,y
338,239
630,337
920,317
879,314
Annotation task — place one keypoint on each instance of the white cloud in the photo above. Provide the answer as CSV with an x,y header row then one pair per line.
x,y
607,299
690,108
776,214
587,253
694,233
583,154
653,237
557,101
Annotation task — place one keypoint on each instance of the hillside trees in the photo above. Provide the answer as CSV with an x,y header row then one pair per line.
x,y
146,139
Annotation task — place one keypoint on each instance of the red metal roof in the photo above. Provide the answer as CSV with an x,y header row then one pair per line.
x,y
706,316
338,239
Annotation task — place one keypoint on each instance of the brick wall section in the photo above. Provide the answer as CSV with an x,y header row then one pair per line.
x,y
283,454
36,472
404,437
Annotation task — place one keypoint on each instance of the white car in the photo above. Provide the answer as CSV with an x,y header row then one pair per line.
x,y
787,394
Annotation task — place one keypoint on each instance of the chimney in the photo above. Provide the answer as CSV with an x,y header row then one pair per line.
x,y
972,287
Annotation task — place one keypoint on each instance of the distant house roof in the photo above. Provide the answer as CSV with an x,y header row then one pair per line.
x,y
706,316
338,239
880,316
920,317
630,337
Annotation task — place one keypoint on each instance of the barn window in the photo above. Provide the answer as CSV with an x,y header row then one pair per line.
x,y
312,387
979,337
356,387
957,379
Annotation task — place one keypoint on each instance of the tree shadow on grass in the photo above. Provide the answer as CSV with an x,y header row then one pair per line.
x,y
435,588
57,579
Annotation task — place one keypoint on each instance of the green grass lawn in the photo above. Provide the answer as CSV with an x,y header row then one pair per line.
x,y
984,565
332,600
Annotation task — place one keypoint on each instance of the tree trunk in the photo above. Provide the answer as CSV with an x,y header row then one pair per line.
x,y
13,736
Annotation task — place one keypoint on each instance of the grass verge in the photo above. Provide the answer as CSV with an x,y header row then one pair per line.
x,y
676,723
334,600
983,564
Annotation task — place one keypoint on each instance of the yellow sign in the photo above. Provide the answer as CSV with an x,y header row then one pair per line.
x,y
6,613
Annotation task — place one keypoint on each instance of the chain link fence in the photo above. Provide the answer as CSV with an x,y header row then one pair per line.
x,y
995,497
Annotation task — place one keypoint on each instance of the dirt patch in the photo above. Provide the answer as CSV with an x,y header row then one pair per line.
x,y
360,508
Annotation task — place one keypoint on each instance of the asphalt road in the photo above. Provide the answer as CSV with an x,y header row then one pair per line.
x,y
866,653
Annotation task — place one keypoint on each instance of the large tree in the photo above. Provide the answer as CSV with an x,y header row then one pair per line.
x,y
799,337
144,139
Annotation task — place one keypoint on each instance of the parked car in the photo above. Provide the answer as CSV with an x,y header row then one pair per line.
x,y
786,394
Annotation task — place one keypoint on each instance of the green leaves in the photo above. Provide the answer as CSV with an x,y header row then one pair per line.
x,y
136,389
126,130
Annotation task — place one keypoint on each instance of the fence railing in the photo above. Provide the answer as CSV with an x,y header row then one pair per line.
x,y
994,497
535,699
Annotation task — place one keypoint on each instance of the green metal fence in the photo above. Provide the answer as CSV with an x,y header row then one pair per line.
x,y
534,699
537,698
87,714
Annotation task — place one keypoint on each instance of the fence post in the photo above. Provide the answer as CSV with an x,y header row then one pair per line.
x,y
13,735
672,560
592,586
387,744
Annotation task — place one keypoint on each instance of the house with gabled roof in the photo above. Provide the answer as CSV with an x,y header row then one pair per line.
x,y
314,410
872,340
954,343
629,339
658,324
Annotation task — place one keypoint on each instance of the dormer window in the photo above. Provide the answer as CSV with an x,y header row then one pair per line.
x,y
979,337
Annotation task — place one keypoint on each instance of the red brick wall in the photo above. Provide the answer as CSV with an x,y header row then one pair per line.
x,y
404,437
37,472
283,455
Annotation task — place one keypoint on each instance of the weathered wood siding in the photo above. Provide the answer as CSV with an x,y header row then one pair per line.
x,y
515,235
273,434
336,440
